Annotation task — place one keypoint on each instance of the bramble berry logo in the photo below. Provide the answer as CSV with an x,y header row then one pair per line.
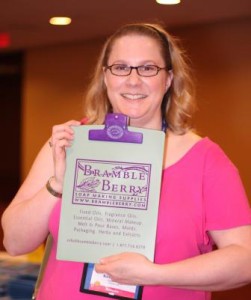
x,y
112,184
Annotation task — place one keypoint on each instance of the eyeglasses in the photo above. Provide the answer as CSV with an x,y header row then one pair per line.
x,y
124,70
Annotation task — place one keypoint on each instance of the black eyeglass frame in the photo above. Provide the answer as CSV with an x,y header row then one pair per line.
x,y
136,68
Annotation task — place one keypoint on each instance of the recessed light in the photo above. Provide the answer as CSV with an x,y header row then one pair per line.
x,y
168,2
60,21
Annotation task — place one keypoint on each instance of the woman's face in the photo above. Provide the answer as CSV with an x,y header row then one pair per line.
x,y
136,96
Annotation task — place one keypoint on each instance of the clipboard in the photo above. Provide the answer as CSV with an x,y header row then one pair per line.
x,y
111,191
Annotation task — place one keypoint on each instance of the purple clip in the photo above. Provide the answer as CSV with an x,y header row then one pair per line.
x,y
116,131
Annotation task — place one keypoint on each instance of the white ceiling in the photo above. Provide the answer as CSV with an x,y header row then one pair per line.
x,y
27,20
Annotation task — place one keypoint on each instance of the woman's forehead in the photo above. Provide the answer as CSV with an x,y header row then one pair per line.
x,y
133,46
130,39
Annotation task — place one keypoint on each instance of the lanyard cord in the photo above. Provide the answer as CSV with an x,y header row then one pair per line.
x,y
164,125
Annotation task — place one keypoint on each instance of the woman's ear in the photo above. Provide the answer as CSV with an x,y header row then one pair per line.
x,y
169,79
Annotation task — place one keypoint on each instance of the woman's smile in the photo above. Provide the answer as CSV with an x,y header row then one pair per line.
x,y
130,96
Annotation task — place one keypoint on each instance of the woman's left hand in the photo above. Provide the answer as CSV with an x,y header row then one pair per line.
x,y
127,268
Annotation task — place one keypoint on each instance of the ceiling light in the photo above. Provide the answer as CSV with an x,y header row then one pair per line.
x,y
168,2
60,21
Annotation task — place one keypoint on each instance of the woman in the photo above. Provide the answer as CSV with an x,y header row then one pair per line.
x,y
141,73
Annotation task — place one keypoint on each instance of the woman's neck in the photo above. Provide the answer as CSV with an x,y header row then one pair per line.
x,y
150,124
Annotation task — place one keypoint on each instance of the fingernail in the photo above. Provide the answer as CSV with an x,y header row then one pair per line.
x,y
84,121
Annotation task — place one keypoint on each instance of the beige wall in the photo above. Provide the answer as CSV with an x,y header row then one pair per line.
x,y
56,77
54,83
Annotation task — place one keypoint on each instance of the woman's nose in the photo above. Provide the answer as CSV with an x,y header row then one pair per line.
x,y
134,77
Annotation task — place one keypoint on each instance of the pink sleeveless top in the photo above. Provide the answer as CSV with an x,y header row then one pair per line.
x,y
201,192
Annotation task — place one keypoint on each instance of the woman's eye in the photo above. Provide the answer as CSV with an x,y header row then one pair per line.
x,y
148,68
121,68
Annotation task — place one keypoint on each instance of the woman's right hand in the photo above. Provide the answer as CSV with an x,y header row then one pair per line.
x,y
31,208
61,138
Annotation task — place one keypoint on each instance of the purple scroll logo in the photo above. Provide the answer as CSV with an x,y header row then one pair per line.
x,y
89,184
111,184
115,132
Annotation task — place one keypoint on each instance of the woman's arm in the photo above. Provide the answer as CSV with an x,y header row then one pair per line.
x,y
25,221
225,268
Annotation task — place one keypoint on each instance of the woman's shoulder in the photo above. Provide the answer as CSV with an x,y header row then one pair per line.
x,y
179,147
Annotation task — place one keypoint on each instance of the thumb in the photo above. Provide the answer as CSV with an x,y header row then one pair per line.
x,y
100,268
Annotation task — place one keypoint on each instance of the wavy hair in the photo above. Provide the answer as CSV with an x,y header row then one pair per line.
x,y
178,103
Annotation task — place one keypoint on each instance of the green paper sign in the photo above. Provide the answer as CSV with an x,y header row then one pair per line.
x,y
110,197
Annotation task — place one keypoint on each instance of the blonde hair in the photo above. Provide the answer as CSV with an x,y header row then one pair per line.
x,y
178,103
